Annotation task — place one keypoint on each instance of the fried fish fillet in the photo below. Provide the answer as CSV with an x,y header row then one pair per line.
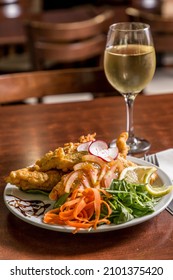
x,y
122,146
30,179
47,173
63,158
59,159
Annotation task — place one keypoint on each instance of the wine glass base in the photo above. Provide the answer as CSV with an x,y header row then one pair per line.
x,y
136,145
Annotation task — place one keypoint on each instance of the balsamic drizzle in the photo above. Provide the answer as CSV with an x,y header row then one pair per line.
x,y
29,208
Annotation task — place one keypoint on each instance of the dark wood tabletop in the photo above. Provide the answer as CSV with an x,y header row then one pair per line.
x,y
29,131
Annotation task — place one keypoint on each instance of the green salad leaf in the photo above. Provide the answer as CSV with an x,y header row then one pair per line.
x,y
36,191
128,201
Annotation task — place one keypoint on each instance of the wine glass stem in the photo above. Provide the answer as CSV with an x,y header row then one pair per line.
x,y
129,109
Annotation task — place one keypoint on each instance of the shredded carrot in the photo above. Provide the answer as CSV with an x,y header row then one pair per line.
x,y
82,210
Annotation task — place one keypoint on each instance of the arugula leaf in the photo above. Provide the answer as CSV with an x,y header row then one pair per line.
x,y
36,191
129,201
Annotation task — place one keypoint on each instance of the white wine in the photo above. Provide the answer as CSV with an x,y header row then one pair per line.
x,y
129,64
129,68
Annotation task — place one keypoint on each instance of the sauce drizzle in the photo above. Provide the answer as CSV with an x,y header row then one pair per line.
x,y
29,208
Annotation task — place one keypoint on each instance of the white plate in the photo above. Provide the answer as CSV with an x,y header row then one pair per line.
x,y
31,207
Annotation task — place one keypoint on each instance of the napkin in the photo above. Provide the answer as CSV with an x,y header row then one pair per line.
x,y
165,159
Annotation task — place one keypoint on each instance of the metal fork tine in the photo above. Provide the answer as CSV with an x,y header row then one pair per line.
x,y
156,160
152,159
145,157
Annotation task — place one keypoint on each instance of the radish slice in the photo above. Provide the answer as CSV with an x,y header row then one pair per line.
x,y
83,147
97,146
100,148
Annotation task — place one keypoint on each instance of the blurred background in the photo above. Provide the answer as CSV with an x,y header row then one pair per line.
x,y
28,39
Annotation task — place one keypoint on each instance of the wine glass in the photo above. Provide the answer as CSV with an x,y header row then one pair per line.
x,y
129,64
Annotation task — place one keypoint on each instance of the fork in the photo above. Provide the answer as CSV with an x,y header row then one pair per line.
x,y
154,160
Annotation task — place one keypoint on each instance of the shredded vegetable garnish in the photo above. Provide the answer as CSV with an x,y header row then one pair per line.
x,y
82,210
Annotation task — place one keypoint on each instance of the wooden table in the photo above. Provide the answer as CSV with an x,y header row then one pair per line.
x,y
27,132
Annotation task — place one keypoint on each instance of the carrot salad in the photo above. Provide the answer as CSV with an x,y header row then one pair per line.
x,y
82,210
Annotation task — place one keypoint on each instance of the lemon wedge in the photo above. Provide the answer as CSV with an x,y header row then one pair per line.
x,y
144,175
137,174
159,191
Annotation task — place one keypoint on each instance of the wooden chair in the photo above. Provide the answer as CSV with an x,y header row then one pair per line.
x,y
162,29
20,86
14,56
68,43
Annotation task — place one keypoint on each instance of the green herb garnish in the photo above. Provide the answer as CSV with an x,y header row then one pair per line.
x,y
129,201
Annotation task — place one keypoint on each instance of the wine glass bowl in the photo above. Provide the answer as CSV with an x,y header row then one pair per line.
x,y
129,64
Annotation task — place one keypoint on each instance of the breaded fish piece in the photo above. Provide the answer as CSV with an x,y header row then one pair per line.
x,y
30,179
58,189
59,159
122,146
63,158
47,171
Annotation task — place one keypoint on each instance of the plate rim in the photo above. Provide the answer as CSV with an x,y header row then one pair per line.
x,y
103,228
